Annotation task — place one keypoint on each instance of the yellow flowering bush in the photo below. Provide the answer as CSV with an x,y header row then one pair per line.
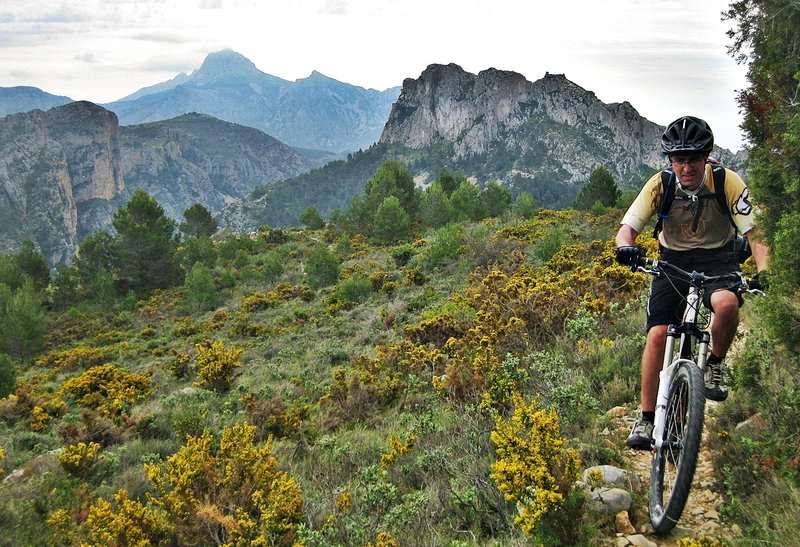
x,y
384,539
533,466
106,388
273,417
373,383
80,357
344,502
702,541
61,527
39,419
435,330
216,366
79,458
232,491
397,449
281,293
131,524
417,358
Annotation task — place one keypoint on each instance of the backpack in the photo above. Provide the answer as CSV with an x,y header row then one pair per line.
x,y
668,196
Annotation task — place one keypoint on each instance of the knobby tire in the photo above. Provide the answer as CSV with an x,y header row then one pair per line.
x,y
674,463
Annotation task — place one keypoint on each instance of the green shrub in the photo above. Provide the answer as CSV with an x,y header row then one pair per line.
x,y
200,290
8,376
353,290
322,268
445,245
550,244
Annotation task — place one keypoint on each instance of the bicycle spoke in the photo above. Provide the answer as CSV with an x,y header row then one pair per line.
x,y
674,462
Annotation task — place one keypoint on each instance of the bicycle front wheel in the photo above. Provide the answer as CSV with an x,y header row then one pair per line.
x,y
675,461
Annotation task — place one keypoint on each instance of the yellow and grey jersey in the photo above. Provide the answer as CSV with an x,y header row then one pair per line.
x,y
694,222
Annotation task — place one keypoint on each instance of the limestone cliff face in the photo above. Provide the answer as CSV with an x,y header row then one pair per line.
x,y
51,165
550,125
64,172
448,104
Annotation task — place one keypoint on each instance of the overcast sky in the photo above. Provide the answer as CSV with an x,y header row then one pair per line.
x,y
666,57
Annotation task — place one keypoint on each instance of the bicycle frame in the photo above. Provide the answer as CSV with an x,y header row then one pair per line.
x,y
690,335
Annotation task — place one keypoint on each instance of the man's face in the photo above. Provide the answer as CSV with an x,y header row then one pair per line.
x,y
690,168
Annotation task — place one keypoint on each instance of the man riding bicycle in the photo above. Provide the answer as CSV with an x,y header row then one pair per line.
x,y
695,234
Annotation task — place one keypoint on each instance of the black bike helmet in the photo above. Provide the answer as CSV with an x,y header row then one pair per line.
x,y
687,134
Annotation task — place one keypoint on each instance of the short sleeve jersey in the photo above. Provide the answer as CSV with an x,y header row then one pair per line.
x,y
694,223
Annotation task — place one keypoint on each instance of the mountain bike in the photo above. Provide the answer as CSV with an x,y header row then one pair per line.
x,y
680,404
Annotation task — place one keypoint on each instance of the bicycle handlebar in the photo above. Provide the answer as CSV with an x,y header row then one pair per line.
x,y
657,267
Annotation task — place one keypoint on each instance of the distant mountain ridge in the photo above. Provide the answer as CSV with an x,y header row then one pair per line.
x,y
25,98
550,124
64,172
543,137
317,112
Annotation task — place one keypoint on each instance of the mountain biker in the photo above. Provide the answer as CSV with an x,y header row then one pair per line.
x,y
695,235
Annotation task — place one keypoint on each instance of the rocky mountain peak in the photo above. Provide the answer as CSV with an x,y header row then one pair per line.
x,y
552,123
224,64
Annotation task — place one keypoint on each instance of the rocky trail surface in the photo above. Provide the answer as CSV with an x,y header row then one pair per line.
x,y
700,517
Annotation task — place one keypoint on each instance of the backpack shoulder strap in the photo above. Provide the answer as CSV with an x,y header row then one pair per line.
x,y
719,192
667,197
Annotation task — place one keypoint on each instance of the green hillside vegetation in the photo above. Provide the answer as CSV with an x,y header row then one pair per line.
x,y
354,384
334,185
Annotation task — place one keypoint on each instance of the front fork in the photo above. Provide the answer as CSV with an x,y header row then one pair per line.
x,y
668,368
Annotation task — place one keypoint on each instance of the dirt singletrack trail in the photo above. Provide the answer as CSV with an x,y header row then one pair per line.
x,y
701,515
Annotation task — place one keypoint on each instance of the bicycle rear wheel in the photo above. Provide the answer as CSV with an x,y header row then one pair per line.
x,y
674,463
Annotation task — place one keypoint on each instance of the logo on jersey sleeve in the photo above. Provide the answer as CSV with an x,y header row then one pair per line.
x,y
742,205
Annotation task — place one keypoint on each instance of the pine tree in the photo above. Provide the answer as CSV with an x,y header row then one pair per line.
x,y
198,222
146,243
601,187
312,219
392,222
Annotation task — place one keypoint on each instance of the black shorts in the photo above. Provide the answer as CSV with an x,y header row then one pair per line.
x,y
667,300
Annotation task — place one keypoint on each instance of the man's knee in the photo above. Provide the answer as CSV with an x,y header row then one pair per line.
x,y
657,336
725,303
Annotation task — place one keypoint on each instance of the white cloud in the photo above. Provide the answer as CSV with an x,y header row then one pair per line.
x,y
86,58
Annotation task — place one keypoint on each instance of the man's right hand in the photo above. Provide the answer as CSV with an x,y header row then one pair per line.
x,y
629,255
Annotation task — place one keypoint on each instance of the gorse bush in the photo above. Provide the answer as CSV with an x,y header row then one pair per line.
x,y
79,458
533,468
106,389
216,365
227,492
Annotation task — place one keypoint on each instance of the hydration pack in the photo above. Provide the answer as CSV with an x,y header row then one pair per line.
x,y
668,196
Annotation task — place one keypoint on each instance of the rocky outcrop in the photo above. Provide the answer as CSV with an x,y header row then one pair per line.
x,y
52,164
550,125
196,158
64,172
